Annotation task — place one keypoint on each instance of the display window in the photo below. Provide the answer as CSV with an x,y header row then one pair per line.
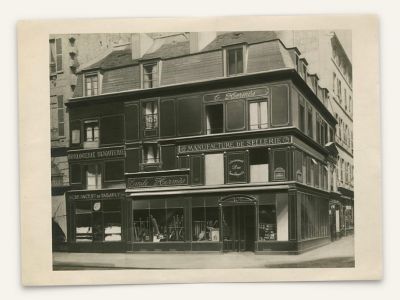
x,y
205,225
157,223
98,221
267,223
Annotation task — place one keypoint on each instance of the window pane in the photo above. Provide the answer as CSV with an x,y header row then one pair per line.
x,y
253,115
141,226
175,223
199,224
280,105
263,114
112,226
231,62
239,61
158,225
83,224
267,222
114,170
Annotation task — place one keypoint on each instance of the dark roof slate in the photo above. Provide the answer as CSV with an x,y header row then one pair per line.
x,y
237,37
121,58
117,58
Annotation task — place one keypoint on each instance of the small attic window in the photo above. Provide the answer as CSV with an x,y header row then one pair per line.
x,y
91,84
235,60
150,75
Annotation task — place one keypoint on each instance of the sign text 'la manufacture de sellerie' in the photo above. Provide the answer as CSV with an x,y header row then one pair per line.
x,y
234,144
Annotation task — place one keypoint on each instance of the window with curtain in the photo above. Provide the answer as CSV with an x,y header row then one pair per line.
x,y
258,115
93,176
151,153
150,115
150,75
91,131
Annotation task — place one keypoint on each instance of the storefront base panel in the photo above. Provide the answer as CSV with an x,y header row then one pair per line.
x,y
308,245
207,246
97,247
292,247
276,247
159,247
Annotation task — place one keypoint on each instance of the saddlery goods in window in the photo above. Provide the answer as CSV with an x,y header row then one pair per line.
x,y
158,225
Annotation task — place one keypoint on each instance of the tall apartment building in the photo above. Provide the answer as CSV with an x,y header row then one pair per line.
x,y
67,53
200,142
327,56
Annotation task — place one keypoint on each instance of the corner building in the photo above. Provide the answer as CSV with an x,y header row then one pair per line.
x,y
200,142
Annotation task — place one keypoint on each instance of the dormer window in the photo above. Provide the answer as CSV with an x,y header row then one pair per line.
x,y
150,75
235,62
91,84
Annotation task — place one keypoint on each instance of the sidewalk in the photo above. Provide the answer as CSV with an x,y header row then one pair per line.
x,y
336,254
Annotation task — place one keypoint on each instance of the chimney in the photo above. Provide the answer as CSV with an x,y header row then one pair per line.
x,y
141,42
199,40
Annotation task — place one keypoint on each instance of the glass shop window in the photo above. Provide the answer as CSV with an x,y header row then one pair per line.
x,y
91,85
158,225
151,153
150,115
234,59
98,220
267,223
91,133
298,166
259,163
150,75
215,118
205,227
93,177
258,115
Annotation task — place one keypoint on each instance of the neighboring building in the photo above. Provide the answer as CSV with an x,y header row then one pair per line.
x,y
200,142
66,54
327,56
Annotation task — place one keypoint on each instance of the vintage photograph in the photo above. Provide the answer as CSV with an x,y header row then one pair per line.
x,y
202,150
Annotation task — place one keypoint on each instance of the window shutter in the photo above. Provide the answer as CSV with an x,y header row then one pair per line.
x,y
59,55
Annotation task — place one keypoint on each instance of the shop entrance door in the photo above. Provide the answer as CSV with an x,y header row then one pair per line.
x,y
238,225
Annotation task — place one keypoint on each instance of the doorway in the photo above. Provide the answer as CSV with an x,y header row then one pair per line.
x,y
238,225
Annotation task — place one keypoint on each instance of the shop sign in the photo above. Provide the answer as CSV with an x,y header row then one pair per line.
x,y
279,174
102,153
236,95
157,181
95,195
236,167
235,144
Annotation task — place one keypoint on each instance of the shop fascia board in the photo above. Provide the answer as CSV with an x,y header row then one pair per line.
x,y
208,189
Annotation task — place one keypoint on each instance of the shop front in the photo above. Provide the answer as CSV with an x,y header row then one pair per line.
x,y
96,220
262,221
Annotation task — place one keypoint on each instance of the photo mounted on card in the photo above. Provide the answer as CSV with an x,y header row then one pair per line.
x,y
176,151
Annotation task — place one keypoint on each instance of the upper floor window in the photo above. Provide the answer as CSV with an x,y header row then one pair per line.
x,y
339,90
56,59
258,115
334,83
93,176
91,133
310,121
91,85
215,118
234,61
60,115
150,115
150,75
151,153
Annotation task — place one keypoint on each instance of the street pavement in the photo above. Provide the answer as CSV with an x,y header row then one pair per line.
x,y
336,254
